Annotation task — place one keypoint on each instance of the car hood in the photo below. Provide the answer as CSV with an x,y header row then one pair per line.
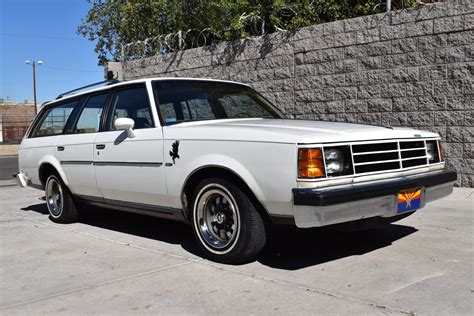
x,y
286,131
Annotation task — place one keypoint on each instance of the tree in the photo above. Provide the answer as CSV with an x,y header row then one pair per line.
x,y
164,25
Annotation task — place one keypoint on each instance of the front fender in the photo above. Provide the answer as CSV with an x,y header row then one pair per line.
x,y
268,169
230,164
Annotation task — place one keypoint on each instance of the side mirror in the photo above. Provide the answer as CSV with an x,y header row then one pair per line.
x,y
126,124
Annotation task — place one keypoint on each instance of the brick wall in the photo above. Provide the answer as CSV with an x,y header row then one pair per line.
x,y
15,121
406,68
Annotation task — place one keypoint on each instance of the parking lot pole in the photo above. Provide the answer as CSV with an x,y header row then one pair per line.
x,y
33,64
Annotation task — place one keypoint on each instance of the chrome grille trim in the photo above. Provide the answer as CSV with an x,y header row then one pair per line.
x,y
417,147
412,149
379,174
411,158
375,162
376,152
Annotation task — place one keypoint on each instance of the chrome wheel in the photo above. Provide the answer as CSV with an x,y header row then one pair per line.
x,y
54,196
217,218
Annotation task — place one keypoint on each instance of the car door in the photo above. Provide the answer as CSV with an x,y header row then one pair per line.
x,y
129,171
75,148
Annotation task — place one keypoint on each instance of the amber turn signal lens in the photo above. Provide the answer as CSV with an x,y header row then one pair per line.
x,y
311,173
310,163
309,153
441,151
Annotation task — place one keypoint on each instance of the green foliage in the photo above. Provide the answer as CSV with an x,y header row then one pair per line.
x,y
113,23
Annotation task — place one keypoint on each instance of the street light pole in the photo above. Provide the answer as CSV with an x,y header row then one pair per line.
x,y
33,64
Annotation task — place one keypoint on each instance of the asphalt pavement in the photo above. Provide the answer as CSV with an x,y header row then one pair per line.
x,y
8,167
112,262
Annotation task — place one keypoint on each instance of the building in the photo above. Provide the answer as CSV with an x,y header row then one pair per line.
x,y
14,120
7,101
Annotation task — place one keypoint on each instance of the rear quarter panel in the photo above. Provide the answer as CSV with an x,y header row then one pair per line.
x,y
35,151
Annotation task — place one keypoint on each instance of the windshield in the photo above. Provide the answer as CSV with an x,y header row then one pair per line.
x,y
183,101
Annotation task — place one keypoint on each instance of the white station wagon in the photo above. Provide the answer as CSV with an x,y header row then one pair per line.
x,y
218,155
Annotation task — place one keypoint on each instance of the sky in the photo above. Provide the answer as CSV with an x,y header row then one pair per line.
x,y
44,30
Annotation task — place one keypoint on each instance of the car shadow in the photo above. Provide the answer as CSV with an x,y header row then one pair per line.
x,y
288,248
39,208
133,224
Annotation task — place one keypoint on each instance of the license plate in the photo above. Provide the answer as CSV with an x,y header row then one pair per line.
x,y
409,200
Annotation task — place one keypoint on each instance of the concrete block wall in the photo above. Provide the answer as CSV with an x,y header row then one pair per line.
x,y
409,67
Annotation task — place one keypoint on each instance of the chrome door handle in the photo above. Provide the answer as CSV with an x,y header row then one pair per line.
x,y
100,146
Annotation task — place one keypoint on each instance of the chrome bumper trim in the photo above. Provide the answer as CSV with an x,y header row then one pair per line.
x,y
384,206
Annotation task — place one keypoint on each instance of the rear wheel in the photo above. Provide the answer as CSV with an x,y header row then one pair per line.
x,y
59,201
226,223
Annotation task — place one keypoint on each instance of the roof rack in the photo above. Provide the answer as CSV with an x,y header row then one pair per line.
x,y
101,83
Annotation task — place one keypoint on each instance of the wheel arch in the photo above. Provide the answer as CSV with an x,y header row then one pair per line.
x,y
50,164
216,171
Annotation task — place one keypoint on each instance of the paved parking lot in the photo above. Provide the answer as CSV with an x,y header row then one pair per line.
x,y
114,262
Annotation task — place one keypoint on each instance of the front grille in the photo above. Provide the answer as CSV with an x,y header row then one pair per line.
x,y
388,156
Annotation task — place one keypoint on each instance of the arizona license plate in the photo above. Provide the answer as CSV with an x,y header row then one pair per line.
x,y
409,200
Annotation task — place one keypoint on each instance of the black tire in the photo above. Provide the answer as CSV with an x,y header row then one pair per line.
x,y
59,200
239,217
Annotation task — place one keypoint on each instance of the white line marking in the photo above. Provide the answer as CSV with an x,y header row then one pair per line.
x,y
434,275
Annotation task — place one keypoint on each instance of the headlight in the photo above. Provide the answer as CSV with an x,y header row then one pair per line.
x,y
338,161
334,160
434,151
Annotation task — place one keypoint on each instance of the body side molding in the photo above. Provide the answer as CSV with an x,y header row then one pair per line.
x,y
138,208
112,163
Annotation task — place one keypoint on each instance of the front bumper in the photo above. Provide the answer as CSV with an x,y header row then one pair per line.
x,y
321,207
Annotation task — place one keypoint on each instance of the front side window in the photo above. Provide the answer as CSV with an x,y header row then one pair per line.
x,y
132,103
53,120
182,101
89,119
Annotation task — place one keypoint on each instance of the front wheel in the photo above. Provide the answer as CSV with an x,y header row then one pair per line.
x,y
59,201
226,223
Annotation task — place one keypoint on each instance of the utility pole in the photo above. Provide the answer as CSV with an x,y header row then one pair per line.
x,y
33,64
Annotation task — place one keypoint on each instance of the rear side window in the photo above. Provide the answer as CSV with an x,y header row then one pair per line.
x,y
53,120
89,119
132,103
